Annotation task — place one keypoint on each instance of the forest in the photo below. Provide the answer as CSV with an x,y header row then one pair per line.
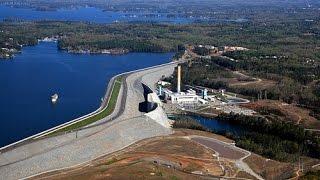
x,y
293,35
274,138
172,7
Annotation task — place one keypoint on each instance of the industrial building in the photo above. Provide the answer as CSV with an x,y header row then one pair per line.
x,y
188,98
197,98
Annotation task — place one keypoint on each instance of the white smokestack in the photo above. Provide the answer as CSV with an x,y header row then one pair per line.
x,y
179,79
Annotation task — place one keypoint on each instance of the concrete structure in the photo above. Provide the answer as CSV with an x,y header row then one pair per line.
x,y
181,98
202,101
222,91
184,98
148,105
164,83
191,91
212,98
205,94
234,48
160,92
158,114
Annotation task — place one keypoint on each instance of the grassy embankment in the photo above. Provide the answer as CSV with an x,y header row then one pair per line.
x,y
105,112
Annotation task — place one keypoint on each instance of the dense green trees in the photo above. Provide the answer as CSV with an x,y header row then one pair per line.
x,y
273,138
201,50
311,175
187,123
287,38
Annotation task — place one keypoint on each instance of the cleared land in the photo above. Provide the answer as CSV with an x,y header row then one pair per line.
x,y
223,150
170,157
256,84
156,158
287,112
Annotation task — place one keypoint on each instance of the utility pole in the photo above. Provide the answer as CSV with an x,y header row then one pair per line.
x,y
300,165
265,94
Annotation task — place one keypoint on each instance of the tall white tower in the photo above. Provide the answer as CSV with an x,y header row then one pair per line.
x,y
179,80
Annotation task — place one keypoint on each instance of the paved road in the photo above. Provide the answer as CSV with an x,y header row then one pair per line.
x,y
224,150
313,130
128,126
227,150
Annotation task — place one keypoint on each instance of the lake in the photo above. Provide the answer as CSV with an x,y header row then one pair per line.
x,y
86,14
28,80
96,15
218,126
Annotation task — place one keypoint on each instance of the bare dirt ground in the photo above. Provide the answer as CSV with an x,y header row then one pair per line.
x,y
244,175
289,112
168,157
270,169
241,79
156,158
187,132
258,83
210,110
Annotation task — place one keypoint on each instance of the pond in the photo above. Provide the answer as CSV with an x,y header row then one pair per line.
x,y
218,126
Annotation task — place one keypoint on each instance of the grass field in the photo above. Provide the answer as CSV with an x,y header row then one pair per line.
x,y
105,112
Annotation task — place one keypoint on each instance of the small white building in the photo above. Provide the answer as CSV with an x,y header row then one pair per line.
x,y
222,91
191,91
202,101
182,98
234,48
164,83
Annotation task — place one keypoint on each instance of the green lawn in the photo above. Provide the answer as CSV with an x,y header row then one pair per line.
x,y
107,111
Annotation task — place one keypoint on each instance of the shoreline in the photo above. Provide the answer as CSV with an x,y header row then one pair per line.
x,y
79,119
126,126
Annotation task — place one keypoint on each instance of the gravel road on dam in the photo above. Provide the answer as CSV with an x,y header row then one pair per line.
x,y
73,148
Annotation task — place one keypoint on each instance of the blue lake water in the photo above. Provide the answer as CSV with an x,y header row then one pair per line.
x,y
218,126
86,14
28,81
95,15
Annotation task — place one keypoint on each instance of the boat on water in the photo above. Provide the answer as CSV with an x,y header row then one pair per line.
x,y
54,98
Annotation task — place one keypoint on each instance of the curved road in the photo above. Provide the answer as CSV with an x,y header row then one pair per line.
x,y
227,150
125,126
